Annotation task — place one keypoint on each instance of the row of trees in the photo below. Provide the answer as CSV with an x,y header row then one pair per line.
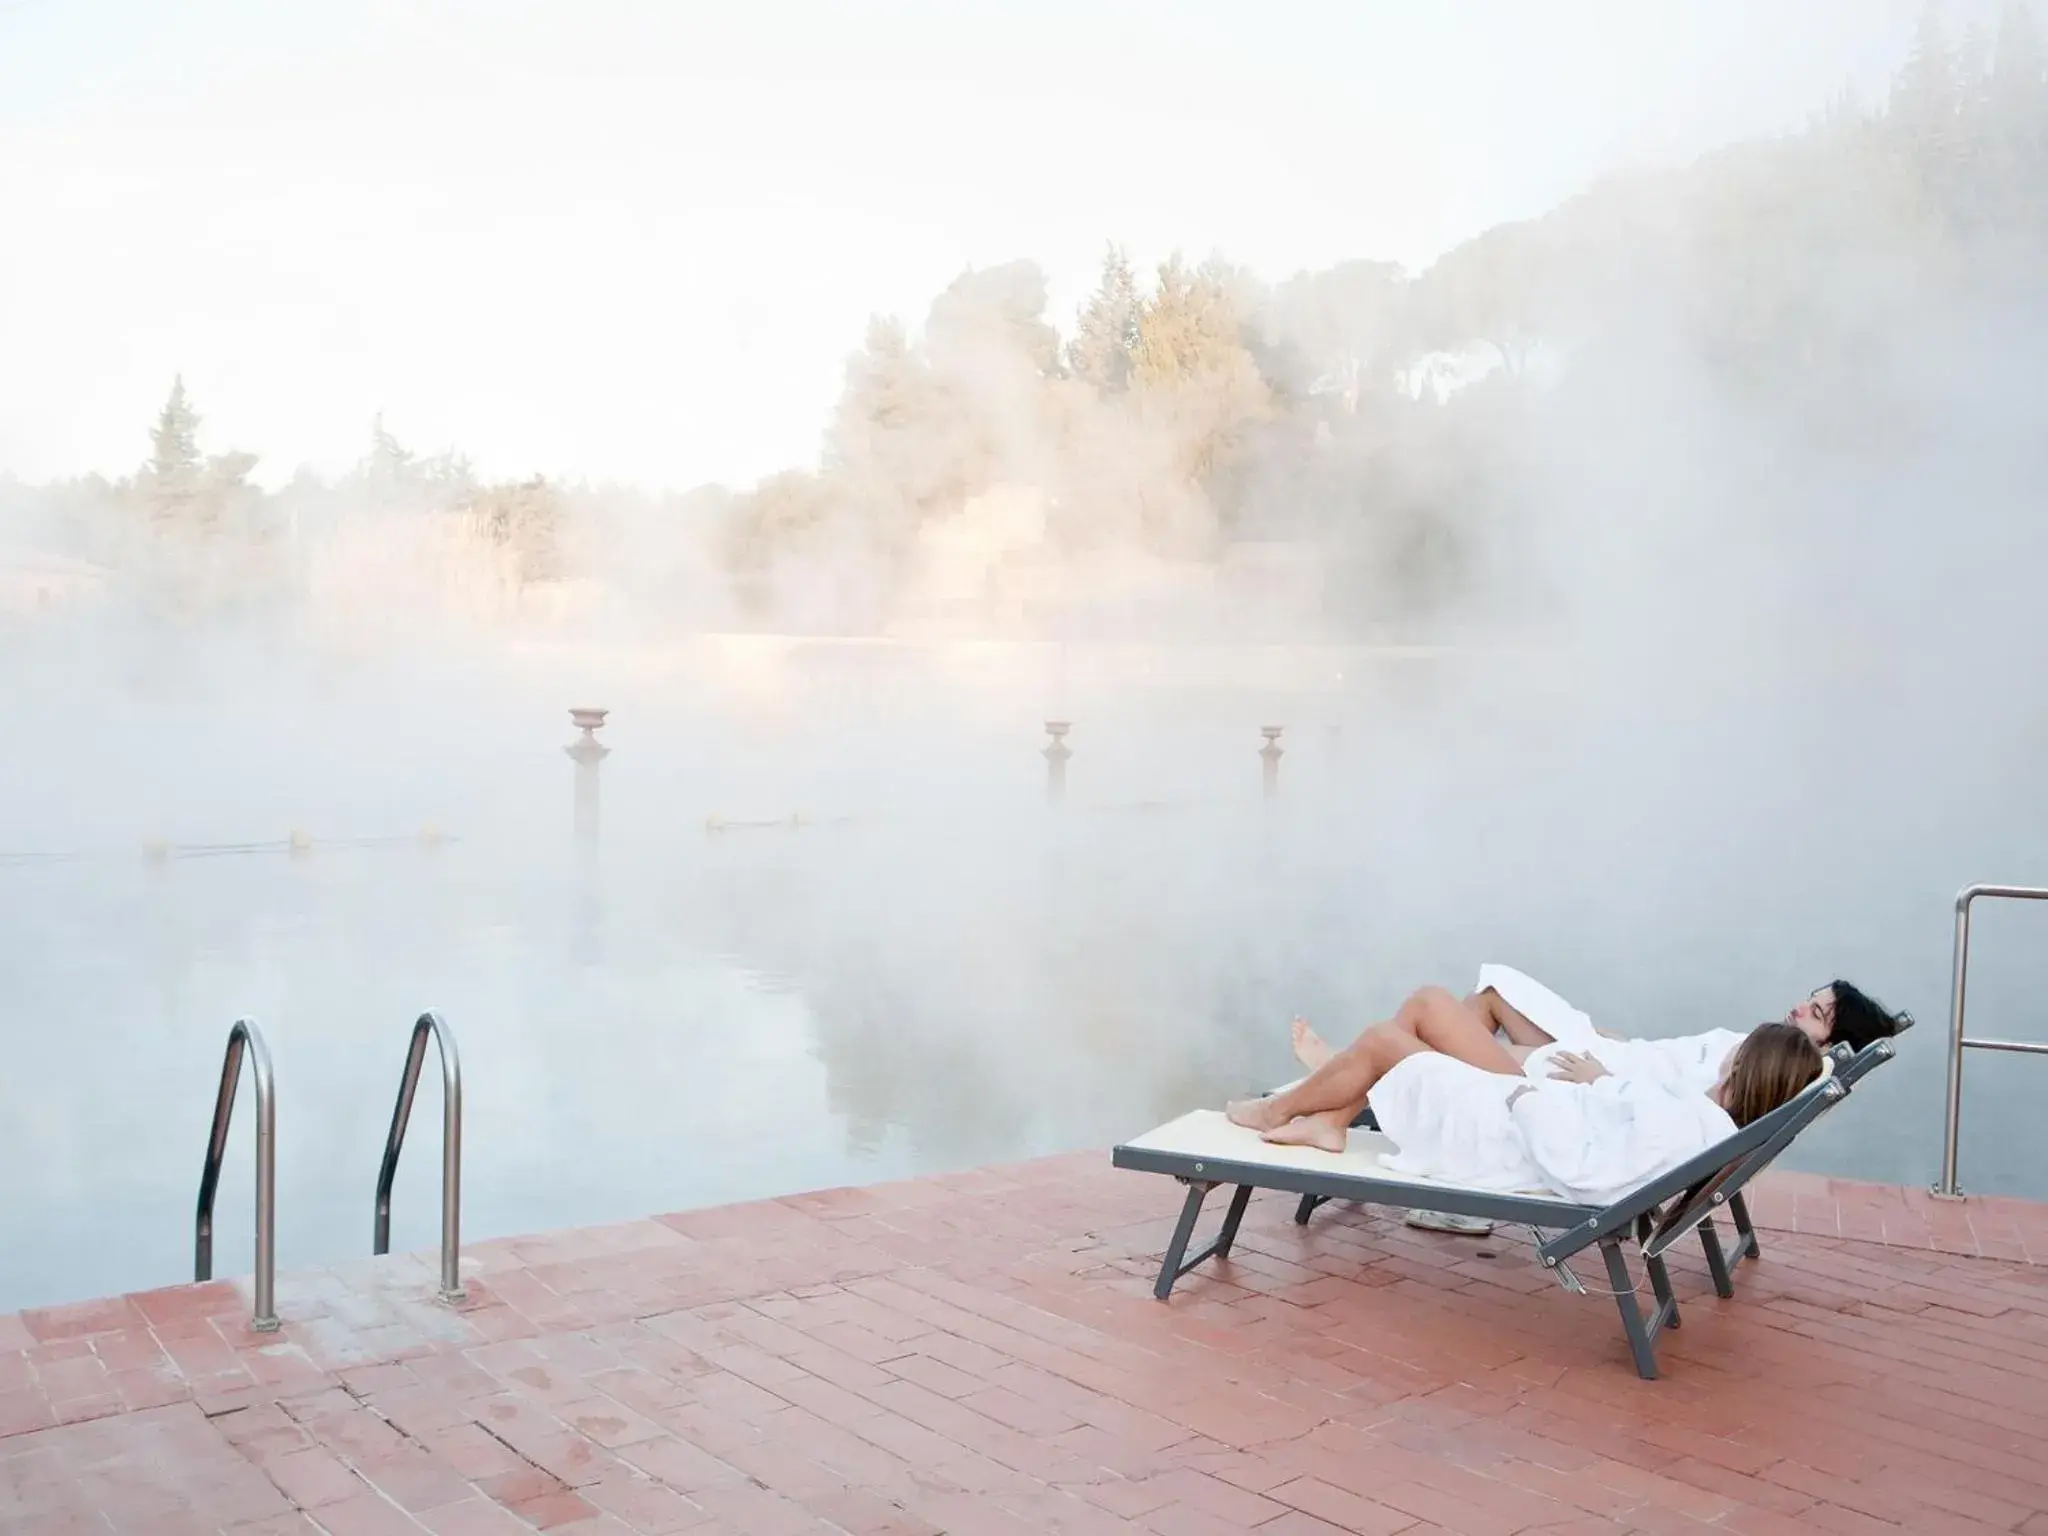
x,y
192,533
1384,419
1200,406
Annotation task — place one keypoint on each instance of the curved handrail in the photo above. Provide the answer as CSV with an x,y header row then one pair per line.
x,y
244,1036
1952,1123
429,1023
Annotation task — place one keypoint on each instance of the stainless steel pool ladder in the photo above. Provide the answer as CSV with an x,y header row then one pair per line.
x,y
244,1038
1957,1043
429,1023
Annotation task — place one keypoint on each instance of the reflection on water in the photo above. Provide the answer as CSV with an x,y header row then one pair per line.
x,y
706,1033
954,975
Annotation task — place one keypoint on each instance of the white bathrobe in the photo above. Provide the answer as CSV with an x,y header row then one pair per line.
x,y
1688,1063
1590,1142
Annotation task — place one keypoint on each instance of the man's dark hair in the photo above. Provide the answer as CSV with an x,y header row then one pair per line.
x,y
1860,1018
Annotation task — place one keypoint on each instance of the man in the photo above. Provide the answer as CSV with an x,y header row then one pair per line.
x,y
1548,1038
1512,1018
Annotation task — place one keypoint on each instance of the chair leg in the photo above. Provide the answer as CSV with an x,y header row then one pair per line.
x,y
1228,1235
1660,1287
1717,1261
1170,1267
1307,1208
1745,1234
1660,1277
1640,1343
1177,1262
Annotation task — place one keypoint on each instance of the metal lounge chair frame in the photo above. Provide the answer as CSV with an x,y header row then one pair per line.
x,y
1655,1216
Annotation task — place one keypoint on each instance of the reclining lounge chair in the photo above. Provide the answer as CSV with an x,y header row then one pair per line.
x,y
1204,1151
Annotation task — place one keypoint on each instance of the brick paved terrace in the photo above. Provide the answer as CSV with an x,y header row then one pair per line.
x,y
981,1354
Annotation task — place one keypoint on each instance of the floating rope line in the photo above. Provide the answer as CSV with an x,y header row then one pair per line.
x,y
161,850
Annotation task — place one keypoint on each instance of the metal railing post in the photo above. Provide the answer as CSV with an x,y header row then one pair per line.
x,y
1952,1119
1952,1113
429,1023
244,1038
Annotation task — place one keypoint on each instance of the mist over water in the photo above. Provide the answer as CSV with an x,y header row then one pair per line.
x,y
1648,594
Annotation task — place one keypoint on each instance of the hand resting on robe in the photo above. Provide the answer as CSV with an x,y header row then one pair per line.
x,y
1573,1067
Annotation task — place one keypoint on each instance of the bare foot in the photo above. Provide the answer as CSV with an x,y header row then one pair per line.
x,y
1318,1131
1254,1114
1309,1047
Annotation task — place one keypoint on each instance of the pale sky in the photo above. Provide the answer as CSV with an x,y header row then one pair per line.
x,y
635,240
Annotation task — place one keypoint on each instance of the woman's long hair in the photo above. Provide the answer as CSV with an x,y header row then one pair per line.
x,y
1770,1068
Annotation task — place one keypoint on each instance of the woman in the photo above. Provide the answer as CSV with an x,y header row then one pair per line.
x,y
1590,1136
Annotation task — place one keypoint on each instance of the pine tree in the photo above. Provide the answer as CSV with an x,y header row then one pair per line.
x,y
204,514
172,482
174,456
2017,115
390,460
1191,365
2019,71
1925,105
1106,336
1185,328
1972,70
887,445
883,392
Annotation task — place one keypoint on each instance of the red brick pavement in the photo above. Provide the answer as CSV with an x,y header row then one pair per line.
x,y
981,1354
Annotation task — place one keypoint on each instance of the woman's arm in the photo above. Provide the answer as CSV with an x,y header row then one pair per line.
x,y
1574,1067
1597,1141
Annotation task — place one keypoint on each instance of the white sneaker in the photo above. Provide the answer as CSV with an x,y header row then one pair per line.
x,y
1444,1221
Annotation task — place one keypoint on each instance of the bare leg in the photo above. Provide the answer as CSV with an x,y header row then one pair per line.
x,y
1375,1051
1431,1019
1510,1021
1328,1132
1310,1049
1444,1023
1319,1110
1340,1084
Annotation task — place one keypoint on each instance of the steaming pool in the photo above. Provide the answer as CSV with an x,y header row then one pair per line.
x,y
627,1050
949,974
